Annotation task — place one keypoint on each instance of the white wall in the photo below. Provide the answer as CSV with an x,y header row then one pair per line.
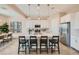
x,y
55,24
3,20
52,23
26,24
43,23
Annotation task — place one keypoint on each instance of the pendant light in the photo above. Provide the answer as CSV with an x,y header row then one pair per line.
x,y
29,11
48,10
38,7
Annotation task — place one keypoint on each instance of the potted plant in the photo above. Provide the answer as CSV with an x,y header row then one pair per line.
x,y
4,28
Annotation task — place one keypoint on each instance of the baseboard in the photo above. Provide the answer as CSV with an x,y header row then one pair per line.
x,y
75,49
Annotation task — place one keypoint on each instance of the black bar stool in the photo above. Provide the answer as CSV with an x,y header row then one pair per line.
x,y
33,43
54,44
44,44
22,44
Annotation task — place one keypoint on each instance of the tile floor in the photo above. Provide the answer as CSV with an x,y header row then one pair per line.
x,y
11,48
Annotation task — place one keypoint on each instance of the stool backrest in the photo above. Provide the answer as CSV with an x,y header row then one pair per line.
x,y
33,39
44,39
22,39
55,38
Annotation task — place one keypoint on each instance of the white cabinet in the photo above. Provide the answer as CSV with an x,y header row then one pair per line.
x,y
75,31
75,43
74,19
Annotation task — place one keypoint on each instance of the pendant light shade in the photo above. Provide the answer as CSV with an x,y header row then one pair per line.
x,y
38,7
48,9
29,11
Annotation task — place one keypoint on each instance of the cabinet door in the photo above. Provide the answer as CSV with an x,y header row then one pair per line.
x,y
75,42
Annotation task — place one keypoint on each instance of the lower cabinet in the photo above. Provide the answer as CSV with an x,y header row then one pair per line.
x,y
75,42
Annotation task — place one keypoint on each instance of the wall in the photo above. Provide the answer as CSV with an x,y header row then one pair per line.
x,y
26,24
3,20
52,23
20,19
55,21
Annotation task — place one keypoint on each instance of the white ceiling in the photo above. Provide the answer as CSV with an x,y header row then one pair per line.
x,y
7,11
44,9
34,10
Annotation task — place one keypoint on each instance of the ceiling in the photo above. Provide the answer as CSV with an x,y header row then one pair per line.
x,y
36,10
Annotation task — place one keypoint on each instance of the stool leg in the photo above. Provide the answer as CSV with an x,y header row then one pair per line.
x,y
40,48
52,49
18,48
47,49
25,48
58,49
37,48
29,49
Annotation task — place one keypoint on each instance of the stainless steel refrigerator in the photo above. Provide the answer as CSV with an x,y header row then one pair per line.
x,y
65,33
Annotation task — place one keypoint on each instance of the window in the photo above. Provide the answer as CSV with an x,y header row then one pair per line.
x,y
16,27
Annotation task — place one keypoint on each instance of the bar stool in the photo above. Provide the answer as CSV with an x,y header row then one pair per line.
x,y
22,44
54,44
33,43
43,43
